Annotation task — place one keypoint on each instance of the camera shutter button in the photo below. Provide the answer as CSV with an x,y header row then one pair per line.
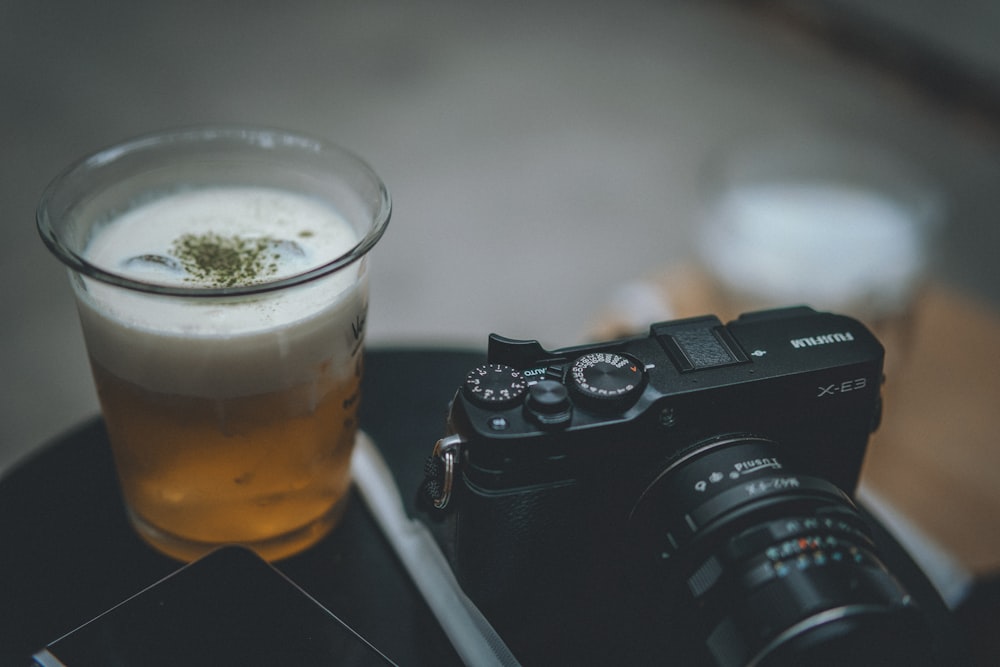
x,y
548,402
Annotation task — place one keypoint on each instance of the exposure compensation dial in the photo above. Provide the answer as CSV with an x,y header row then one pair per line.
x,y
495,385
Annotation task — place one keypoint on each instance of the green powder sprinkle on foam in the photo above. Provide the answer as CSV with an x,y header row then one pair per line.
x,y
226,261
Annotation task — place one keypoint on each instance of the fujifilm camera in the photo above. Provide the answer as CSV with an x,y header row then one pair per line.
x,y
684,497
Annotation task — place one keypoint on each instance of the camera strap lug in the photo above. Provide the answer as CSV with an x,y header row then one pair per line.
x,y
439,473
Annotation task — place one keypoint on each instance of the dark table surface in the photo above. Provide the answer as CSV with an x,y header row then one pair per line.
x,y
67,552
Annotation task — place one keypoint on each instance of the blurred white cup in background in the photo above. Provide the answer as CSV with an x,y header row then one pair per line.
x,y
830,222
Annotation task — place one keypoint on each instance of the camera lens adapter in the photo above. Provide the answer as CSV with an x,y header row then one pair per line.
x,y
768,564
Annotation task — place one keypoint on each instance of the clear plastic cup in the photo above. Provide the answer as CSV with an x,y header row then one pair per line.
x,y
220,275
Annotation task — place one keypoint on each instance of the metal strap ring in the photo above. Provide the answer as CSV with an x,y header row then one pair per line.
x,y
446,449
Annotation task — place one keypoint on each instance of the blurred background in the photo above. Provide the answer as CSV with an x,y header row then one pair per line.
x,y
540,155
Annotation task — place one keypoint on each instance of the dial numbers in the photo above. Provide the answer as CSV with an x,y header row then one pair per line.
x,y
495,385
608,376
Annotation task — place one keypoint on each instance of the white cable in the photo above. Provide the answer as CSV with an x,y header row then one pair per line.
x,y
474,639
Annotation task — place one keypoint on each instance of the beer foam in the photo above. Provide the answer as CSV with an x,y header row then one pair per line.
x,y
141,243
234,345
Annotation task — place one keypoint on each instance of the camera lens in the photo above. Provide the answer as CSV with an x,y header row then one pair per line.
x,y
767,563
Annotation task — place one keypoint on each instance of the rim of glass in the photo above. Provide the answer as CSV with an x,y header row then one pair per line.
x,y
249,135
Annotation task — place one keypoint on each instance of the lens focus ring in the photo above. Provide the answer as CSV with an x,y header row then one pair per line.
x,y
768,565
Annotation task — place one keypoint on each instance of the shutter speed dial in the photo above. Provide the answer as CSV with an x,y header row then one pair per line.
x,y
495,385
607,380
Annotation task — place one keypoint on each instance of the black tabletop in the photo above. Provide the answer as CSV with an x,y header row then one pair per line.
x,y
67,552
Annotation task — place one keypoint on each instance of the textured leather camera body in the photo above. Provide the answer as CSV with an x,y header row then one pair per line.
x,y
550,451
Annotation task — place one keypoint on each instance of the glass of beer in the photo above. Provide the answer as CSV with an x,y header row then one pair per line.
x,y
825,219
220,275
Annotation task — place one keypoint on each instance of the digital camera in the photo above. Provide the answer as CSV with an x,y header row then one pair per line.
x,y
682,497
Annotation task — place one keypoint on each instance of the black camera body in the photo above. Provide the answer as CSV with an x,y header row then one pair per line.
x,y
684,480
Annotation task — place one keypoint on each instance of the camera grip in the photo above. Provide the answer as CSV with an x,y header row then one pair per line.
x,y
511,544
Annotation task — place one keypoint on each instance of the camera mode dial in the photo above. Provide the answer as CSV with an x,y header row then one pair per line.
x,y
607,380
495,385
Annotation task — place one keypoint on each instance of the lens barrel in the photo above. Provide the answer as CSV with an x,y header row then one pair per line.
x,y
769,565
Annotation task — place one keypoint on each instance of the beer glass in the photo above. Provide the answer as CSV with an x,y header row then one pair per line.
x,y
220,275
832,221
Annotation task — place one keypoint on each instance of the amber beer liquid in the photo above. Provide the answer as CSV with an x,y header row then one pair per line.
x,y
232,420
